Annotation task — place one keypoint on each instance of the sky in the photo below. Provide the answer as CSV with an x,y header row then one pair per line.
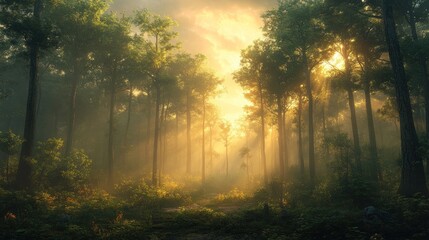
x,y
219,29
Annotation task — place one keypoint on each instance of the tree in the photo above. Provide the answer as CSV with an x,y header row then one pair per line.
x,y
24,20
9,144
280,73
188,71
158,36
225,137
250,78
415,12
343,23
206,88
115,38
79,22
297,28
412,175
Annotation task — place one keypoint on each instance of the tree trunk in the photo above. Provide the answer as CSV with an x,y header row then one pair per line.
x,y
422,64
311,158
161,142
176,138
23,178
412,175
211,149
280,138
264,158
203,147
127,126
349,89
376,173
226,158
156,135
72,114
285,142
110,147
148,128
300,150
188,133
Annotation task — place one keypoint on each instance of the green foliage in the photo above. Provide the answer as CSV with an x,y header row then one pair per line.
x,y
235,195
52,169
10,143
140,193
201,217
76,169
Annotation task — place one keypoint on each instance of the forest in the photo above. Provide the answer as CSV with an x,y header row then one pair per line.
x,y
112,128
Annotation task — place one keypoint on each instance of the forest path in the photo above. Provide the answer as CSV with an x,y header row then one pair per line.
x,y
170,223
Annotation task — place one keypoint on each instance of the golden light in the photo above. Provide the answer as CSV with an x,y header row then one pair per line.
x,y
226,33
336,62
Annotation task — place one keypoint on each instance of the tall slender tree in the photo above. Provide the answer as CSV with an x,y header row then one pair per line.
x,y
412,175
158,37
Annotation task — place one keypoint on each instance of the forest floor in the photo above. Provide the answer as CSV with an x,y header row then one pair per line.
x,y
136,211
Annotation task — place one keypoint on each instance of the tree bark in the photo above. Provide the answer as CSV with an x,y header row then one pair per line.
x,y
285,142
211,149
300,149
188,133
226,157
203,146
412,175
422,64
264,158
176,138
72,114
156,135
127,126
23,178
280,138
351,100
376,173
311,157
110,147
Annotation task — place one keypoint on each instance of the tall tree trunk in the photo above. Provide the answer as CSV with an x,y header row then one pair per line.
x,y
285,142
176,138
211,149
376,173
247,158
148,128
421,61
412,175
23,177
110,147
127,126
311,157
226,158
203,147
280,137
72,114
164,136
349,89
300,149
188,133
161,143
156,135
263,156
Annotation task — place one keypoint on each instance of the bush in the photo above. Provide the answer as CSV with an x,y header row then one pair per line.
x,y
140,193
52,169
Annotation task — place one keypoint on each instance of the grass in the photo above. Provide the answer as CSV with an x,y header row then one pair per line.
x,y
137,211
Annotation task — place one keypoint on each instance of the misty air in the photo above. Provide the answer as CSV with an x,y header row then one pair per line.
x,y
198,119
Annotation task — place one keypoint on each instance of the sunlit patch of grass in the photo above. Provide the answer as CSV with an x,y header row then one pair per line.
x,y
235,195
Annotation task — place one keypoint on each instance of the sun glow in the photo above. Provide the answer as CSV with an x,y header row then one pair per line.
x,y
225,34
336,62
